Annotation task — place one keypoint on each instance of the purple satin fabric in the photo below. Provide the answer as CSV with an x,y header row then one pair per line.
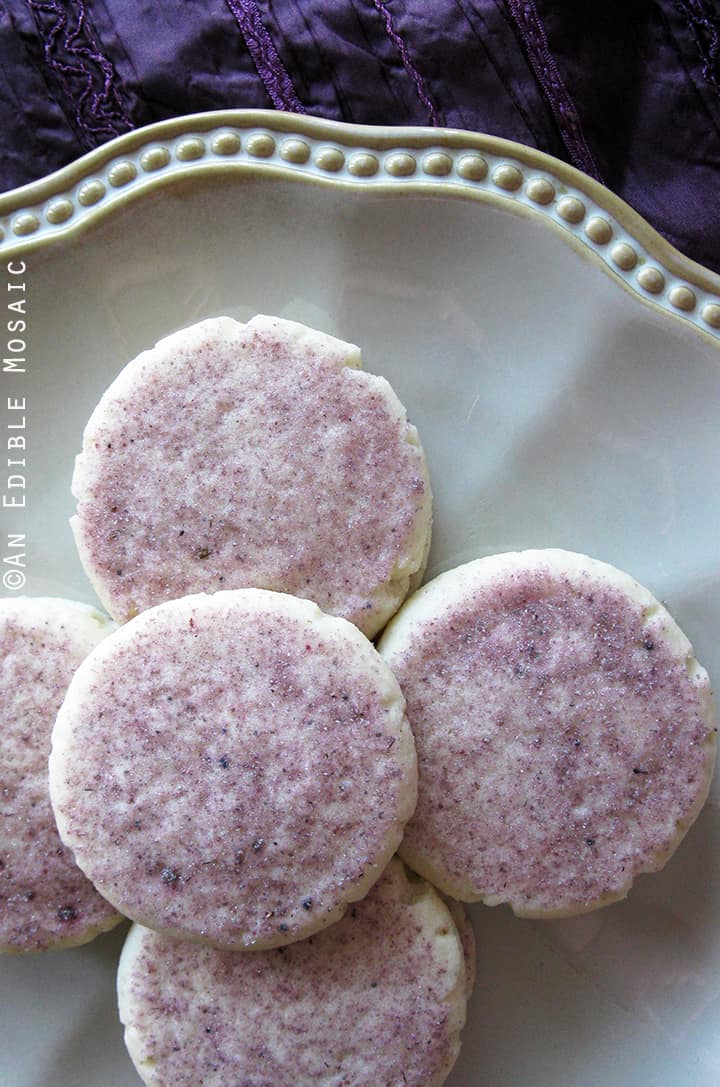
x,y
627,90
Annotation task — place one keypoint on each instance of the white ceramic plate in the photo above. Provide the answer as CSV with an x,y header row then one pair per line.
x,y
562,363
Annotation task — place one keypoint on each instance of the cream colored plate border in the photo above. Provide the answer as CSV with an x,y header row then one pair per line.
x,y
401,161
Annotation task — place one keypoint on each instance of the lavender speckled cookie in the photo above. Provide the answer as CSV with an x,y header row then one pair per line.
x,y
45,900
565,731
234,455
378,999
234,768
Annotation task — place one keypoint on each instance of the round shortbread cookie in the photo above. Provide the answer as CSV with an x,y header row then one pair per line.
x,y
234,455
565,732
45,900
234,768
378,998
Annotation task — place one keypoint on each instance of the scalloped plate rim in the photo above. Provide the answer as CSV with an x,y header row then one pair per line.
x,y
376,140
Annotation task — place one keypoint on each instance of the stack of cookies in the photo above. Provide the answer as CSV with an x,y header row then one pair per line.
x,y
237,769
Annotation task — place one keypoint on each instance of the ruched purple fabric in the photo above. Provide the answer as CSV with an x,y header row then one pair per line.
x,y
627,90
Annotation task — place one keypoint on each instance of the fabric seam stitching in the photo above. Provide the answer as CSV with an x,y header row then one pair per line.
x,y
407,62
84,62
532,32
710,53
265,56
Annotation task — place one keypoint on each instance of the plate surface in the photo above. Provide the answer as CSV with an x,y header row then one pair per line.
x,y
562,364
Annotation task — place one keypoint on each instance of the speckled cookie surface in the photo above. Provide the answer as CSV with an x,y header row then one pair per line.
x,y
236,455
45,900
377,999
234,768
564,729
